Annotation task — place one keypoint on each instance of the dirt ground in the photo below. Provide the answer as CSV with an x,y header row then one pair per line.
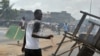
x,y
13,49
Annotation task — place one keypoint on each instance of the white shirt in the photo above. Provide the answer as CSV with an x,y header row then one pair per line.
x,y
31,42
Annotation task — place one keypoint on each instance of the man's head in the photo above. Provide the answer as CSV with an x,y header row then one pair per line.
x,y
65,23
23,18
38,14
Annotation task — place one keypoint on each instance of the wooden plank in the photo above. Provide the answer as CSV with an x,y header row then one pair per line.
x,y
79,25
90,15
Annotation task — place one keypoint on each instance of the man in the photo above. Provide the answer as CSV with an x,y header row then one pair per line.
x,y
65,27
33,33
22,24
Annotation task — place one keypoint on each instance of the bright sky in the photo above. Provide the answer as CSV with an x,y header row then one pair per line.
x,y
71,6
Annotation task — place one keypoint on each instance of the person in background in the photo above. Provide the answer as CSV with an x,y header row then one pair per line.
x,y
65,27
22,25
33,33
58,29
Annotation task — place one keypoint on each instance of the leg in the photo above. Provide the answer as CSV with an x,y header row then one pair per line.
x,y
18,42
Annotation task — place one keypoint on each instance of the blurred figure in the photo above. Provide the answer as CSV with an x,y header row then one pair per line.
x,y
65,27
22,25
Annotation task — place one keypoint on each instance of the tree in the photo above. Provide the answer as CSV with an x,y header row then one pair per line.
x,y
6,12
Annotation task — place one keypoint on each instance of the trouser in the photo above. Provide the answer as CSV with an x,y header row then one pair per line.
x,y
33,52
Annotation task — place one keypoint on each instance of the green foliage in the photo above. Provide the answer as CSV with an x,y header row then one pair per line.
x,y
7,12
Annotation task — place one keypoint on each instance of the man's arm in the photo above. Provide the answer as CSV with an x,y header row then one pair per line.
x,y
44,37
36,29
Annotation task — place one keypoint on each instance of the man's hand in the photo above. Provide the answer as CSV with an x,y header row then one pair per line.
x,y
50,36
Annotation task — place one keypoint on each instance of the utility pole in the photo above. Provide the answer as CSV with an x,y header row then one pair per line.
x,y
90,7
